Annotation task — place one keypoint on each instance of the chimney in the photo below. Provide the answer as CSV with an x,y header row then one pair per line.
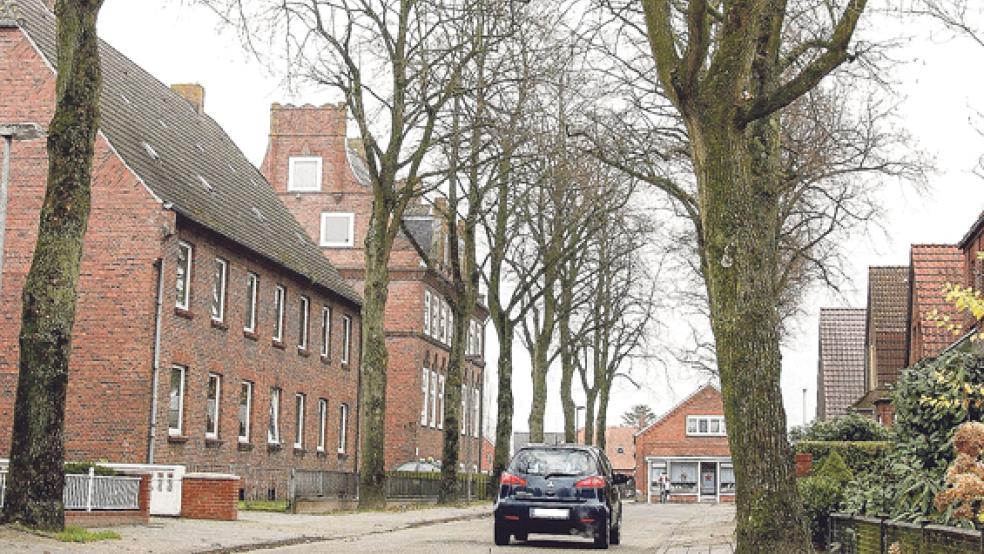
x,y
193,93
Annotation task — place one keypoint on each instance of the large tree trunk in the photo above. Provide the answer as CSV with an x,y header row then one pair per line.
x,y
375,360
538,405
567,352
602,418
591,395
37,456
504,399
740,248
453,420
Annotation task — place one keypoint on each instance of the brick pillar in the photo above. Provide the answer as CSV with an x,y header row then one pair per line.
x,y
210,496
804,463
143,501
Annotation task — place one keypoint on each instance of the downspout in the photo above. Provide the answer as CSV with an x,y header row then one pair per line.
x,y
155,375
358,400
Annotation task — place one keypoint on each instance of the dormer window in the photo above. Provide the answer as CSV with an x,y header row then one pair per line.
x,y
304,174
337,229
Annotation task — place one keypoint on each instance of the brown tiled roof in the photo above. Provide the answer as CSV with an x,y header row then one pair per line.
x,y
841,368
189,162
933,266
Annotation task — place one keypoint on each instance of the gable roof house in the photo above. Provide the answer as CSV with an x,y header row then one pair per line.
x,y
841,362
931,267
203,304
688,443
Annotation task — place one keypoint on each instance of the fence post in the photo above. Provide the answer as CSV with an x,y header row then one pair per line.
x,y
291,489
881,534
91,485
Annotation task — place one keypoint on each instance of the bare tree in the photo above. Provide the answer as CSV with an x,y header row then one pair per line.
x,y
37,451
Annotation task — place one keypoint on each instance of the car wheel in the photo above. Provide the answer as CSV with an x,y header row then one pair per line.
x,y
601,536
501,535
522,536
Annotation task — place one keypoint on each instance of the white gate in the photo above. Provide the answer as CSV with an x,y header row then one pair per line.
x,y
165,485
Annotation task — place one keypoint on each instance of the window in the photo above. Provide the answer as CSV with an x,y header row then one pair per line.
x,y
727,479
476,407
298,420
440,397
212,406
442,335
273,431
219,277
175,409
435,317
425,389
342,427
322,423
245,410
304,174
337,229
279,298
252,288
302,320
708,426
346,337
183,283
433,391
683,476
326,332
427,311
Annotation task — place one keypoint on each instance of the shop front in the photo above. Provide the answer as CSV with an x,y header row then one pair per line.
x,y
692,479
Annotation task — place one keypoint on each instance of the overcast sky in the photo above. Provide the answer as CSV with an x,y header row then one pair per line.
x,y
939,85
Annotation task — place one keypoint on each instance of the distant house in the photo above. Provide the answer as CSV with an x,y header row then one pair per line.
x,y
840,369
931,267
620,448
690,444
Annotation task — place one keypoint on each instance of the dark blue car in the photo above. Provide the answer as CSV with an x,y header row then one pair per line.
x,y
559,490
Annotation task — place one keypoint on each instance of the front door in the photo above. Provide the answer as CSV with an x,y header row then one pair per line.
x,y
708,479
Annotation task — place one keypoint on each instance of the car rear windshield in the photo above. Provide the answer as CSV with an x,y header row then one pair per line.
x,y
553,461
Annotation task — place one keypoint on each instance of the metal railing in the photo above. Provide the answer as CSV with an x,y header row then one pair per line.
x,y
399,486
94,492
323,484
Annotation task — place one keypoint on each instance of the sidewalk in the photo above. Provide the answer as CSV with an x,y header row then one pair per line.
x,y
253,530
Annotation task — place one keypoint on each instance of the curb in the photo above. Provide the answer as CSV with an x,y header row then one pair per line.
x,y
312,539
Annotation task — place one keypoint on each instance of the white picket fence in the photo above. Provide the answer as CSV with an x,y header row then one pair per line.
x,y
93,492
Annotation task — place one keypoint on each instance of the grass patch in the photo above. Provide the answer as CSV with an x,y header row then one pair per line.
x,y
263,505
74,533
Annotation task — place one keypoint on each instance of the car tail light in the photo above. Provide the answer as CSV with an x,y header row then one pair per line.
x,y
593,482
512,480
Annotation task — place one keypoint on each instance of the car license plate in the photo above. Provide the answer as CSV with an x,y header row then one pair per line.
x,y
549,513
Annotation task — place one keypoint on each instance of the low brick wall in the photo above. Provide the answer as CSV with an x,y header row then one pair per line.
x,y
868,535
210,496
112,518
323,505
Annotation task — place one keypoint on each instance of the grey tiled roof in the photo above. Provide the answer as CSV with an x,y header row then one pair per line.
x,y
888,297
191,163
842,356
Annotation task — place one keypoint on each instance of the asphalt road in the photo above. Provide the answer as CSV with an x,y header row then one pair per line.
x,y
663,529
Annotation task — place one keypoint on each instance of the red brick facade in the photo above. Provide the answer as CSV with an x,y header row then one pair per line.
x,y
319,132
132,237
668,439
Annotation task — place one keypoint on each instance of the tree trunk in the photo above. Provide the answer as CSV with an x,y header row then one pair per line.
x,y
567,352
375,360
591,396
538,405
504,399
602,418
452,406
740,248
37,456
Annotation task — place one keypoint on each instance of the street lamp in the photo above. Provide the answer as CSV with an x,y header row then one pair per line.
x,y
10,133
577,416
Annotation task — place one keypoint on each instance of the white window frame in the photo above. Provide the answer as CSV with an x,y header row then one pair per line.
x,y
176,431
450,326
443,334
427,312
435,317
252,292
299,402
213,433
279,304
708,418
322,423
223,283
275,397
291,185
304,311
342,427
351,230
440,396
476,407
464,409
248,385
185,302
326,332
425,391
434,385
346,337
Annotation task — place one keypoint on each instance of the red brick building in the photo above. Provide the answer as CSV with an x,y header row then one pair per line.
x,y
210,330
324,182
690,444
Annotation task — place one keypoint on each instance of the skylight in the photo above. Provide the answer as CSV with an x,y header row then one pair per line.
x,y
151,152
208,186
258,214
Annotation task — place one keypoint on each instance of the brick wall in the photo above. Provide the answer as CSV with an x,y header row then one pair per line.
x,y
668,437
108,392
192,340
210,496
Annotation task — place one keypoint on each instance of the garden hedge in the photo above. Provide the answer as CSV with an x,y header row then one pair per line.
x,y
860,456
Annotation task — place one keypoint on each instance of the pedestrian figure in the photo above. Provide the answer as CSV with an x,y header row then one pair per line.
x,y
664,488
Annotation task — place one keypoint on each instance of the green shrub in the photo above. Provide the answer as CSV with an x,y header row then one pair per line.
x,y
823,493
860,457
76,468
850,427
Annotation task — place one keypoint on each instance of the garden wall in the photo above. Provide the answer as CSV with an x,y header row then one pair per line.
x,y
867,535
